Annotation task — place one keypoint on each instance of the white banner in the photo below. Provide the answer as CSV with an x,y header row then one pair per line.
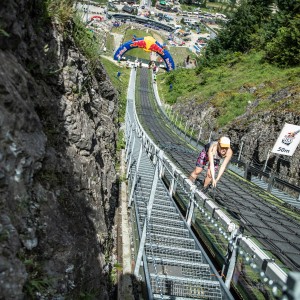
x,y
288,140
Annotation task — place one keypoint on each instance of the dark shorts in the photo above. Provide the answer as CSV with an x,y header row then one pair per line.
x,y
202,160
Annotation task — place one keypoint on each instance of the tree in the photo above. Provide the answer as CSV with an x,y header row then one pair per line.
x,y
260,24
284,47
248,18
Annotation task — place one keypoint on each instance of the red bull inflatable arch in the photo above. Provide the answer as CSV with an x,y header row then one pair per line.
x,y
147,43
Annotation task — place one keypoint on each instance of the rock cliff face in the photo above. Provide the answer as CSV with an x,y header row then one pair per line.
x,y
257,131
58,186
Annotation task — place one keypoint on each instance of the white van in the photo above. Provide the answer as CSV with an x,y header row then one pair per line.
x,y
178,26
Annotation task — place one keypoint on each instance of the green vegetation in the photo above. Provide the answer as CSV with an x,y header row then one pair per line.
x,y
37,281
255,26
121,29
232,85
110,44
114,273
179,54
87,41
90,295
61,11
3,33
121,85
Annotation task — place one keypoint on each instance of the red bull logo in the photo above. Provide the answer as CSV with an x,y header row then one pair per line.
x,y
157,49
139,44
148,44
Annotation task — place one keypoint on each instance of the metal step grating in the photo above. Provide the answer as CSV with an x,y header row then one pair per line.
x,y
158,251
184,287
164,221
156,200
162,214
175,232
166,240
180,269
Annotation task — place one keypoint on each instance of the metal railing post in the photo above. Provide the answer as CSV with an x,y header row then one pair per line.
x,y
173,184
271,182
229,266
128,145
185,128
200,132
191,206
147,219
130,158
240,152
266,162
191,136
247,174
209,140
161,164
135,176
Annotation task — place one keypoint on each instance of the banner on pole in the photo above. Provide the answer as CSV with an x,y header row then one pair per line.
x,y
288,140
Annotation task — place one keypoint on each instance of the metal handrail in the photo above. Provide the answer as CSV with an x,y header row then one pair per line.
x,y
199,144
269,270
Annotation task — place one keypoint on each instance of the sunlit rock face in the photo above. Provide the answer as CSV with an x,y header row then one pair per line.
x,y
58,188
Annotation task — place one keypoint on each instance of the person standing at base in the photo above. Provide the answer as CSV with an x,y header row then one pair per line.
x,y
154,77
118,75
136,64
212,154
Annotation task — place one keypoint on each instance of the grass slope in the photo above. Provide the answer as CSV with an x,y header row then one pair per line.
x,y
233,86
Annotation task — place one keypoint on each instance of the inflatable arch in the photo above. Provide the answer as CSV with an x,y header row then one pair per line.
x,y
147,43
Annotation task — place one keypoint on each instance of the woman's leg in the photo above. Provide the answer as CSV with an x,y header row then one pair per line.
x,y
195,173
201,162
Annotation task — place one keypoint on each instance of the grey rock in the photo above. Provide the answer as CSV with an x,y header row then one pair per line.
x,y
57,177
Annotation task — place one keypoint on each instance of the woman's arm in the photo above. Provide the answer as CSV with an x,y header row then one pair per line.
x,y
224,164
211,151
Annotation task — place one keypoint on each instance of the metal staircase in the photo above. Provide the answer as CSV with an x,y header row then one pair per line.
x,y
174,264
168,257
